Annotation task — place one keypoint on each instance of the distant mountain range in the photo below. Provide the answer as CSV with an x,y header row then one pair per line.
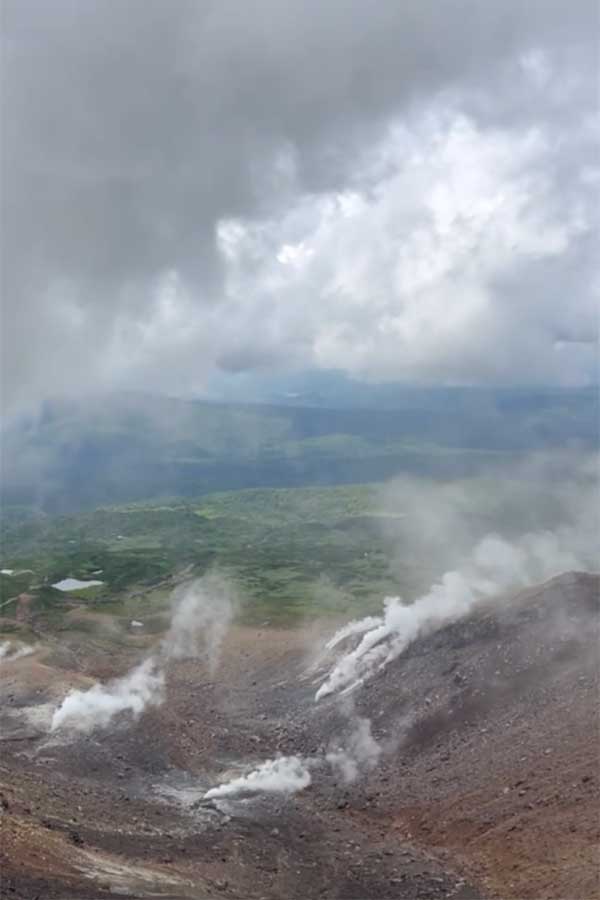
x,y
104,450
336,390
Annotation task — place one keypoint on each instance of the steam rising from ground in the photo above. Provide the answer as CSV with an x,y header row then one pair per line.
x,y
438,523
203,610
9,651
447,517
359,752
359,626
284,775
496,565
351,754
86,710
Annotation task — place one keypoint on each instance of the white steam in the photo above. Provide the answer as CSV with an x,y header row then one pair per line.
x,y
357,752
496,565
203,610
284,775
86,710
360,751
359,626
9,651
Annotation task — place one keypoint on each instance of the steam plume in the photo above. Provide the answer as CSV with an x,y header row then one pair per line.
x,y
495,565
357,627
203,610
356,752
10,651
359,752
284,775
86,710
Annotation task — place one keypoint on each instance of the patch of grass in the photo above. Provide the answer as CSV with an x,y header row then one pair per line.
x,y
88,593
294,553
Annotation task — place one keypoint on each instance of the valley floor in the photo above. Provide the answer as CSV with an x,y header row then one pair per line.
x,y
488,785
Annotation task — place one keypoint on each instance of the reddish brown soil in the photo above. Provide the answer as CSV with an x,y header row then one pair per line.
x,y
507,785
488,786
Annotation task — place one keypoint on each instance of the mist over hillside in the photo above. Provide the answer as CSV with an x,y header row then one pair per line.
x,y
77,454
335,389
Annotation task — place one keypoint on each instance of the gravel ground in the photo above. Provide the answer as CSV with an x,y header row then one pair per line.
x,y
487,785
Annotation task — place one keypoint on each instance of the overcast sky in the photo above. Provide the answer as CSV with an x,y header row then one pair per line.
x,y
403,189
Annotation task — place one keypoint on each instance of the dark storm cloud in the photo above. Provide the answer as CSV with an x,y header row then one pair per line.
x,y
135,132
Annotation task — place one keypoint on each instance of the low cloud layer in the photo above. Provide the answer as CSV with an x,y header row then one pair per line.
x,y
385,190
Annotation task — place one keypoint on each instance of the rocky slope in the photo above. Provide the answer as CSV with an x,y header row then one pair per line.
x,y
486,786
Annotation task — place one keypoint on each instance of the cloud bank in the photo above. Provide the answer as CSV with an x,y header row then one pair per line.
x,y
383,189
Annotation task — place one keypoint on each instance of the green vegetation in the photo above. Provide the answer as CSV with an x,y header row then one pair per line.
x,y
291,552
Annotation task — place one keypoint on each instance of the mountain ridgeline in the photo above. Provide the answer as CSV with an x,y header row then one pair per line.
x,y
76,455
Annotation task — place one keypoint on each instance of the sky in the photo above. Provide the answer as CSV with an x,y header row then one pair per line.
x,y
401,191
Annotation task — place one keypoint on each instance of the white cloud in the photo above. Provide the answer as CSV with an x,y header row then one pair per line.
x,y
457,255
424,273
353,192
